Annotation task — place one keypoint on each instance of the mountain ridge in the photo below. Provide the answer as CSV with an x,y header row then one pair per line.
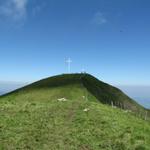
x,y
105,93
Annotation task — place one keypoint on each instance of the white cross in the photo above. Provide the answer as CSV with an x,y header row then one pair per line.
x,y
69,61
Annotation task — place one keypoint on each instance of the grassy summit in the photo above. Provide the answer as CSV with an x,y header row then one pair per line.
x,y
68,112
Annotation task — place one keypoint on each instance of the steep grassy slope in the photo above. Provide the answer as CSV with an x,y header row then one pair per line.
x,y
34,118
107,94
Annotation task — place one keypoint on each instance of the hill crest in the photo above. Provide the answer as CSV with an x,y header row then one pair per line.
x,y
105,93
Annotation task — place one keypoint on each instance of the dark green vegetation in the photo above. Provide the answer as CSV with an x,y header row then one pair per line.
x,y
34,118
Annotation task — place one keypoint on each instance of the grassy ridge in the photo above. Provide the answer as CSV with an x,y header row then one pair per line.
x,y
37,120
33,118
105,93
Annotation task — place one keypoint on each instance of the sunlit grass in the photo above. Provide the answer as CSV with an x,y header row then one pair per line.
x,y
37,120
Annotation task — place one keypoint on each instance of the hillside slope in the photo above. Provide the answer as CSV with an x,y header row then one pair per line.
x,y
105,93
63,113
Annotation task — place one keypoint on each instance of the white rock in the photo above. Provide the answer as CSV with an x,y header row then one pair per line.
x,y
86,109
62,99
126,111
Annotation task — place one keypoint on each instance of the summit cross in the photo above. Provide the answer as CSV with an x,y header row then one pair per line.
x,y
69,61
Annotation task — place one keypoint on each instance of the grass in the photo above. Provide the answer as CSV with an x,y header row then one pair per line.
x,y
104,92
35,119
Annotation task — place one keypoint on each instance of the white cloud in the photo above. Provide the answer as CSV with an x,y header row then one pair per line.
x,y
99,18
38,8
14,9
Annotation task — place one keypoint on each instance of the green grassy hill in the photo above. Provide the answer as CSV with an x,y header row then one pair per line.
x,y
36,117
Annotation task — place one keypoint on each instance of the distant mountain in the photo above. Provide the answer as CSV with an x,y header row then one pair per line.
x,y
6,87
1,92
145,101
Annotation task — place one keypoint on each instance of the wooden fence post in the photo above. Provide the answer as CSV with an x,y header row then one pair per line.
x,y
112,104
145,115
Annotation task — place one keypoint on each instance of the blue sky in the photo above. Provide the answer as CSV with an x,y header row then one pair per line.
x,y
109,39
